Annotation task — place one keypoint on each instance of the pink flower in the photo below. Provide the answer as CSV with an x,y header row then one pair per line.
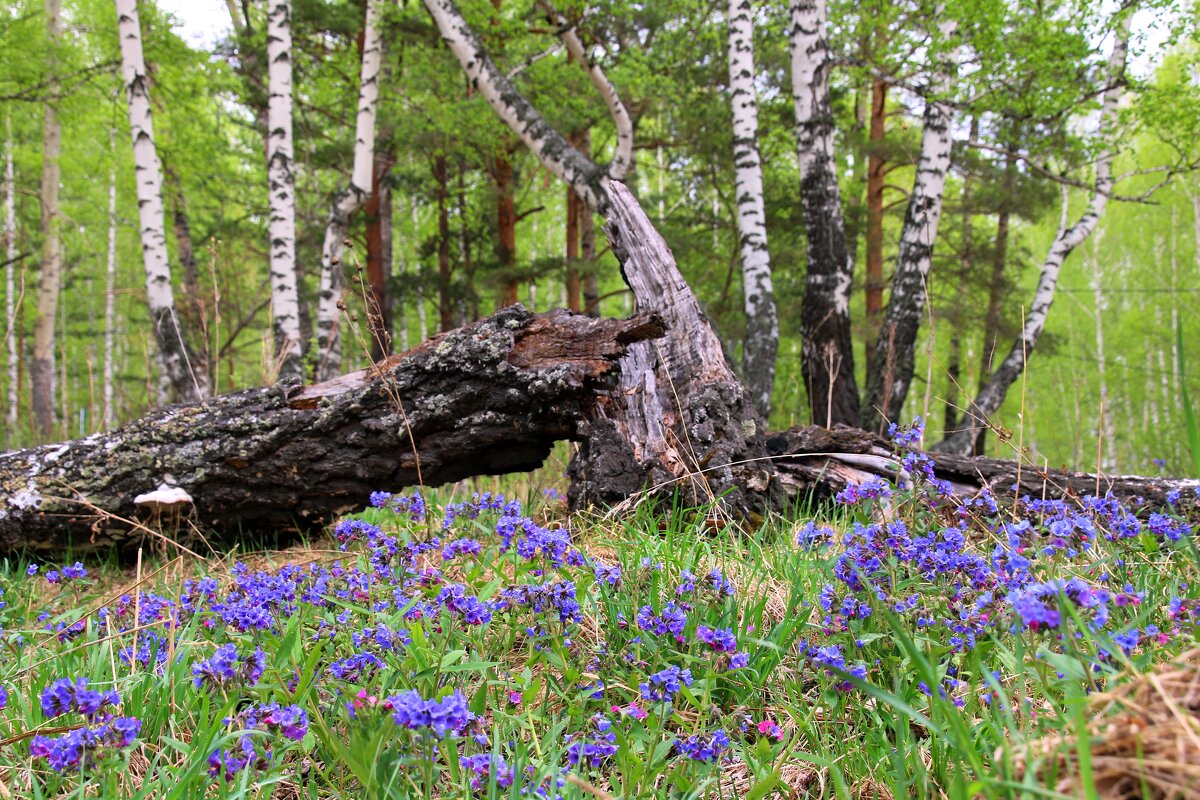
x,y
768,728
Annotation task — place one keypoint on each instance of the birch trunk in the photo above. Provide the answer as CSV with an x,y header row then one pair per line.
x,y
50,283
551,147
762,322
187,378
110,296
10,256
991,394
348,201
893,361
827,355
281,228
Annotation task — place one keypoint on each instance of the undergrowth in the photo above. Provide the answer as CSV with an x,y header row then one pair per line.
x,y
897,643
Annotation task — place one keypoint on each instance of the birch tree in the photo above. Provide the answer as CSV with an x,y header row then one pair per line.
x,y
50,283
550,147
10,267
762,323
187,377
1070,236
348,201
285,301
827,355
893,361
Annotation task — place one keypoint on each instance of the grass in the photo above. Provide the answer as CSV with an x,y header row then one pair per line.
x,y
898,645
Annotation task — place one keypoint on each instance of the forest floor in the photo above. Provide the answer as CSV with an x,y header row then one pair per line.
x,y
891,644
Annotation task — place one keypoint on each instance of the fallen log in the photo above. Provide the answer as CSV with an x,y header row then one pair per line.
x,y
489,398
823,461
651,400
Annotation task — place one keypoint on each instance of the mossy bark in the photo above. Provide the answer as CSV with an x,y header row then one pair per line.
x,y
489,398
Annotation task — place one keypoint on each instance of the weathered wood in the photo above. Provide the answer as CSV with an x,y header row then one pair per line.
x,y
678,417
823,461
489,398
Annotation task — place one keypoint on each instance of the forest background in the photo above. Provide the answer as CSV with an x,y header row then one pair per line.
x,y
434,250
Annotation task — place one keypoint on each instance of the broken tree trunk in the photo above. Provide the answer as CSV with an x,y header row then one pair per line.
x,y
824,461
489,398
678,417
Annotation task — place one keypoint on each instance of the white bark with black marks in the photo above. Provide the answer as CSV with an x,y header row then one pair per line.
x,y
551,147
762,323
894,358
187,378
827,357
348,202
281,228
991,395
622,160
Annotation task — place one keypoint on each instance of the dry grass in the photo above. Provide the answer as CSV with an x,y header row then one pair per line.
x,y
1144,739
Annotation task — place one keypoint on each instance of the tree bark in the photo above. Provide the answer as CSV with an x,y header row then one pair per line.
x,y
762,322
550,147
587,242
379,317
110,291
490,398
182,229
571,242
50,281
876,174
678,419
894,358
992,393
992,319
827,353
445,298
187,377
285,297
811,459
10,268
506,227
348,202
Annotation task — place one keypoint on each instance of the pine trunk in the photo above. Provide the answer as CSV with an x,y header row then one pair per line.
x,y
876,174
186,376
190,309
762,322
827,355
894,358
992,318
506,228
348,202
110,294
285,298
379,318
445,295
571,240
587,242
50,283
992,393
10,268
